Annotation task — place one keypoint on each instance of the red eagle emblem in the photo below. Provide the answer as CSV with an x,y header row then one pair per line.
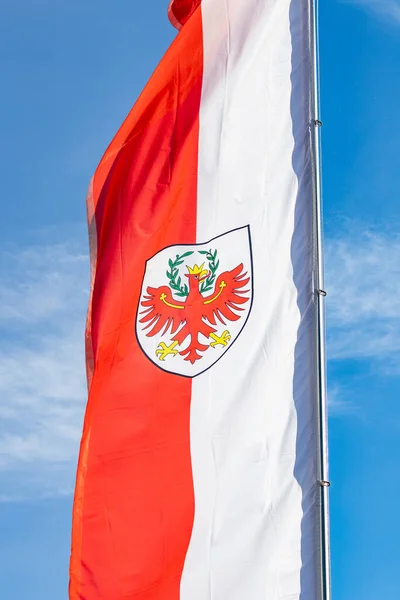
x,y
199,314
185,325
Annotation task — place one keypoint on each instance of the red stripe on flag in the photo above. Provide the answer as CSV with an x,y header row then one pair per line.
x,y
134,504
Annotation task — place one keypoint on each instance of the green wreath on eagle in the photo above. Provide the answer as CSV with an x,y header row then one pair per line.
x,y
175,280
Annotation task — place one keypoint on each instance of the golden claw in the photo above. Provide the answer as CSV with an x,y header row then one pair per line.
x,y
163,350
221,340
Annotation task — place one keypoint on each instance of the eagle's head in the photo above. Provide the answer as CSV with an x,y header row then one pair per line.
x,y
196,275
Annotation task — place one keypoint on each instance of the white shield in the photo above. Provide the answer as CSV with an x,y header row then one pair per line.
x,y
195,301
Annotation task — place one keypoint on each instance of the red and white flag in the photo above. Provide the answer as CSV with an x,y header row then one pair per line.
x,y
197,476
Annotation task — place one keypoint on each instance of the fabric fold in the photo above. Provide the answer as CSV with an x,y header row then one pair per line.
x,y
179,11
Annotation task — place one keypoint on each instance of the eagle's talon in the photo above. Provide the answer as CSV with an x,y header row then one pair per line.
x,y
163,350
221,340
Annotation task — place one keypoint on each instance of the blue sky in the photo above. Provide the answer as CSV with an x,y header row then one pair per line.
x,y
70,73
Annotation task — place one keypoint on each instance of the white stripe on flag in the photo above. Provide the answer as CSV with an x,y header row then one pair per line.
x,y
253,437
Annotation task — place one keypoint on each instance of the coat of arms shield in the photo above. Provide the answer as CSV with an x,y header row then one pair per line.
x,y
195,301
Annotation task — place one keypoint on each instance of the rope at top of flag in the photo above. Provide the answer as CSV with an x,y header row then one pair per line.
x,y
179,11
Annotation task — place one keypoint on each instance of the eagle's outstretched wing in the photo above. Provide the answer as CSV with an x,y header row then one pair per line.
x,y
161,310
228,296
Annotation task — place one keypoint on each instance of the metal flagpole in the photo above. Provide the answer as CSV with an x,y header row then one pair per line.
x,y
323,474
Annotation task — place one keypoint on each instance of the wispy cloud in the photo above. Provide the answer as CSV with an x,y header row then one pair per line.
x,y
38,282
363,278
386,8
43,299
339,403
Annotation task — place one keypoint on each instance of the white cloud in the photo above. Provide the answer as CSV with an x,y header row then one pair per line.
x,y
43,298
363,280
386,8
39,281
339,403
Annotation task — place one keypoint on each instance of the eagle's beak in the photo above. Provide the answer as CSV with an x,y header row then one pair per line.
x,y
204,275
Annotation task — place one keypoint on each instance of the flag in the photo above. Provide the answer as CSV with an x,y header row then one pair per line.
x,y
197,476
